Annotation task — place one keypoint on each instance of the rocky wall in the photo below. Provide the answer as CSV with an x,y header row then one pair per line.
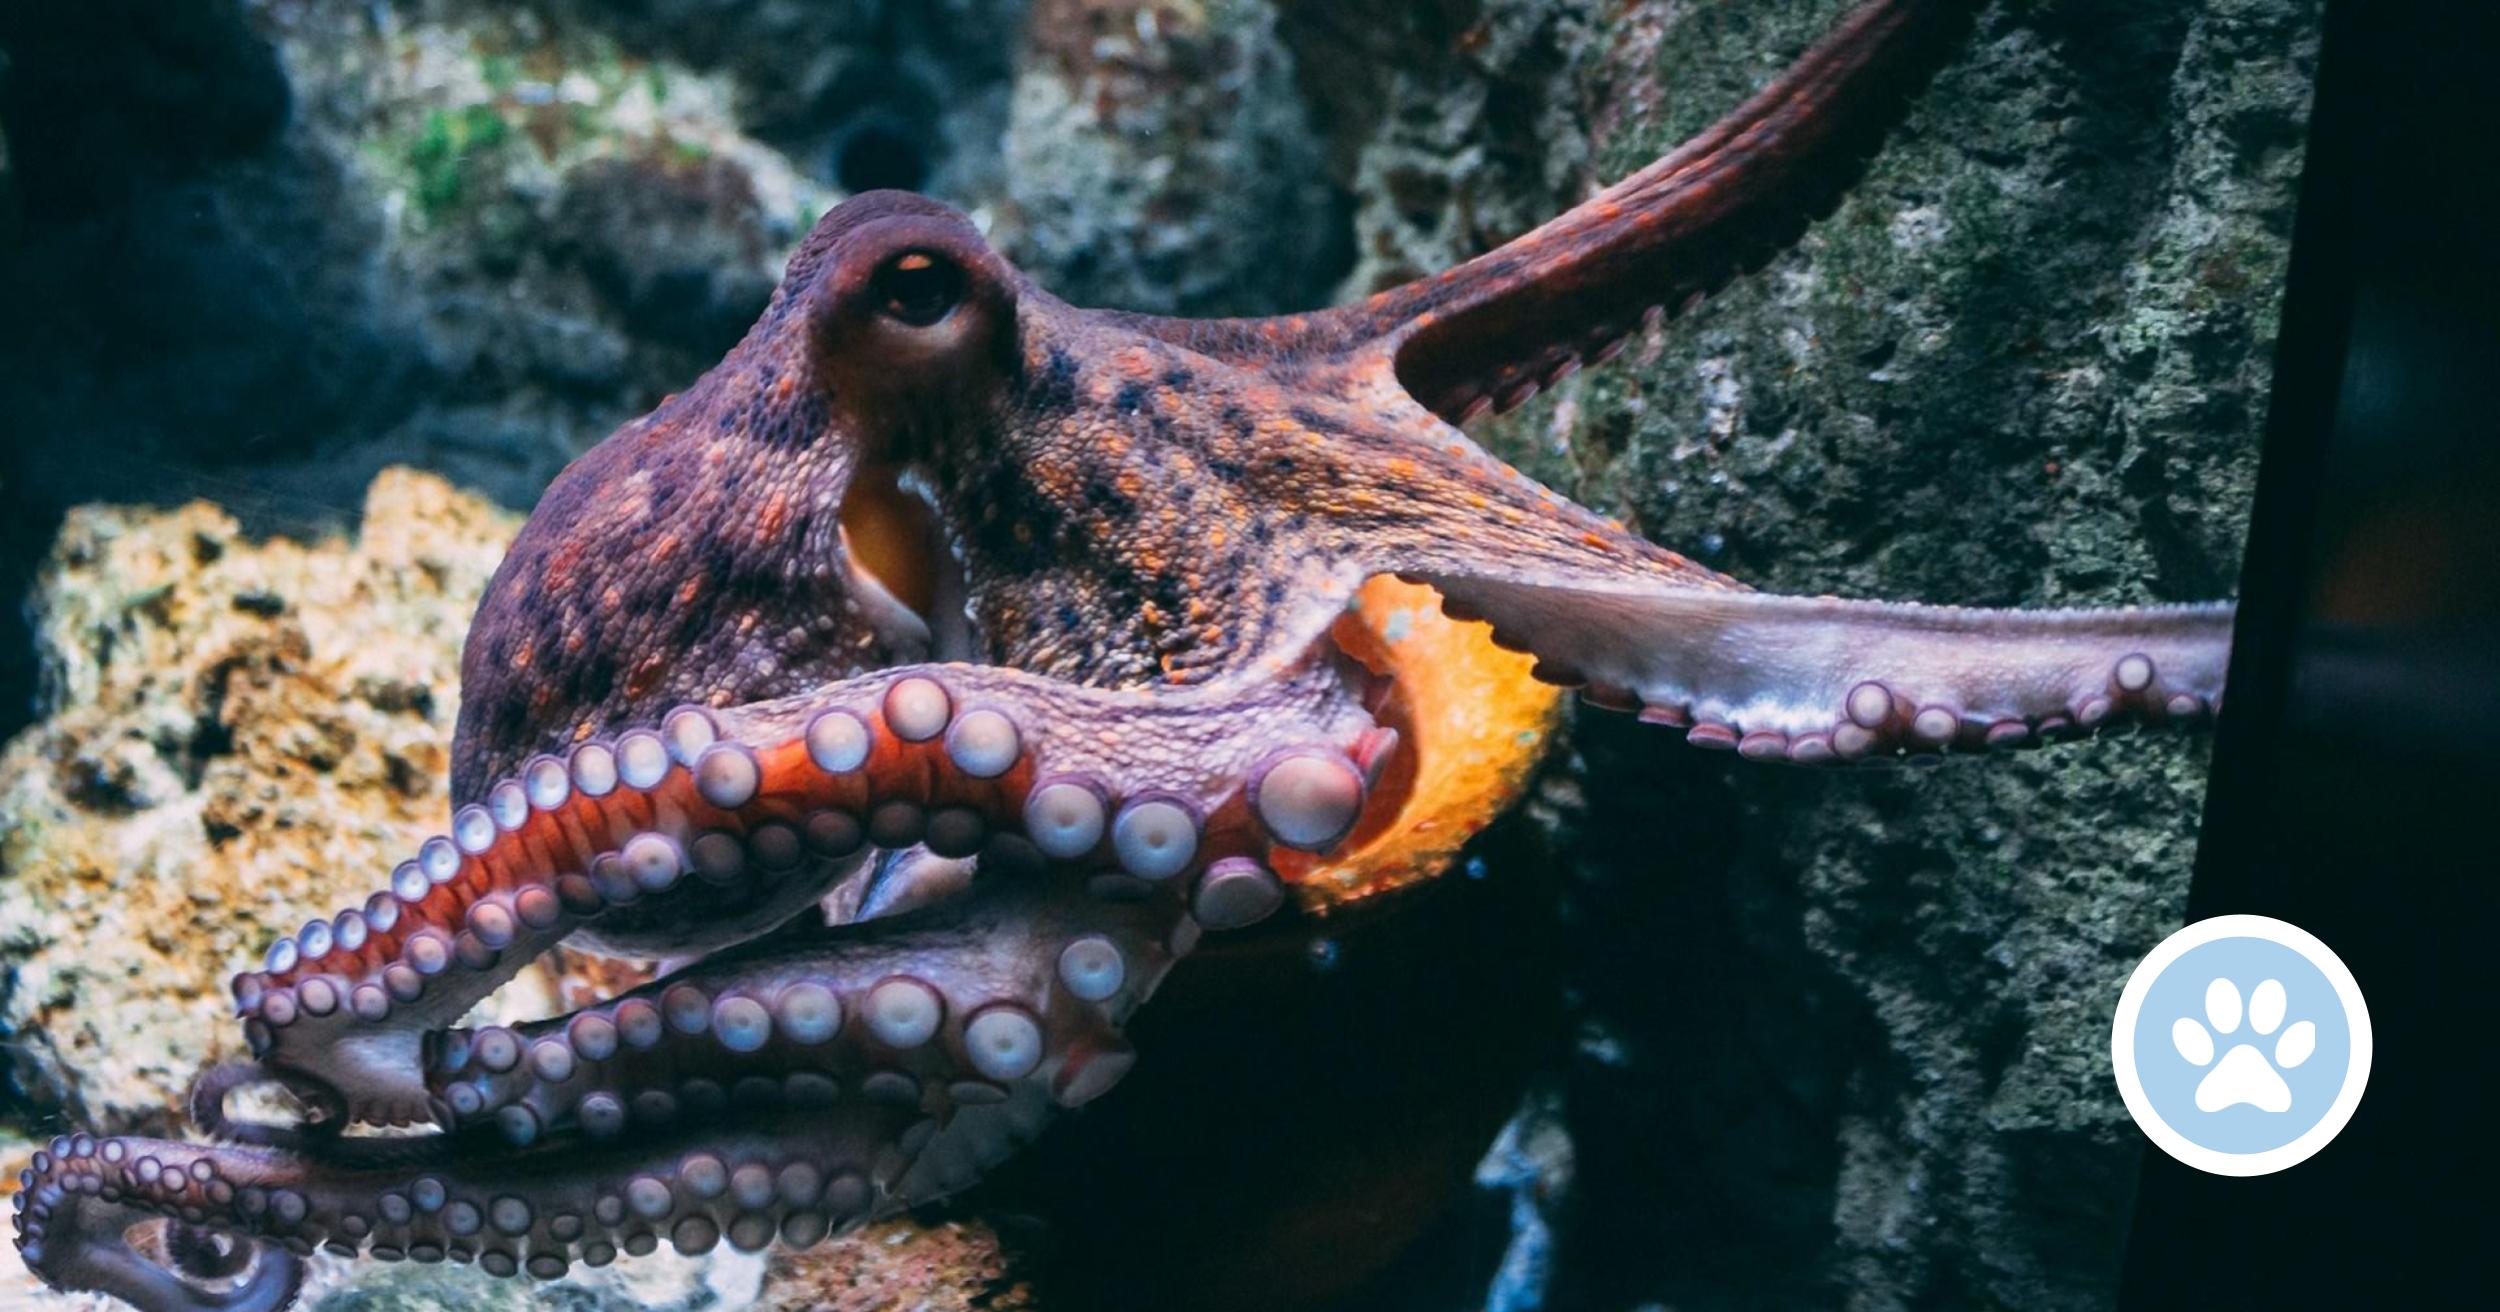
x,y
2024,363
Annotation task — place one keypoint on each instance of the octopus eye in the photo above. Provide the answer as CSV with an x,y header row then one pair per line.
x,y
918,288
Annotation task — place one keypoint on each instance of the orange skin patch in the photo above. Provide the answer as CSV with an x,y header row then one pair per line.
x,y
1474,727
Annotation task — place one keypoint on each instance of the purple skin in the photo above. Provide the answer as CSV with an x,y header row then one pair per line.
x,y
1122,541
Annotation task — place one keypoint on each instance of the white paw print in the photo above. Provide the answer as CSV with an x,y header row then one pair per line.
x,y
2244,1075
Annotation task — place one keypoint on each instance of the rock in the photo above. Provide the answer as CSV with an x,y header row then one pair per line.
x,y
676,242
274,248
236,735
858,96
1460,123
1849,1043
1141,135
947,1266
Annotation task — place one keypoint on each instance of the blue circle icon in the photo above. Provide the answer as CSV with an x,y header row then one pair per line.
x,y
2241,1045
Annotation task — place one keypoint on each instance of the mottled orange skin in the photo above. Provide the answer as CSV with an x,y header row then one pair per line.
x,y
1477,723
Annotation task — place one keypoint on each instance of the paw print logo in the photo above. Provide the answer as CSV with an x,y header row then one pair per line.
x,y
2233,1077
2244,1075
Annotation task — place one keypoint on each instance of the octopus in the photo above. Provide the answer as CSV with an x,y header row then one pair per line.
x,y
938,671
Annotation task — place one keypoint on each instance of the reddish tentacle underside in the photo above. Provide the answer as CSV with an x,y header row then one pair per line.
x,y
1103,661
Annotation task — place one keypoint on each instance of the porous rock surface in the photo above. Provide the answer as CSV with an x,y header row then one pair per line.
x,y
1840,1039
237,736
2024,363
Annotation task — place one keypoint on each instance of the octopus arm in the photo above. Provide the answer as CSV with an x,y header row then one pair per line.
x,y
775,1091
1815,680
233,1223
1491,332
80,1201
773,1094
720,825
1012,994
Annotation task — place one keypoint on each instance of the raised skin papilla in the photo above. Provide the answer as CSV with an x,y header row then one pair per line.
x,y
934,564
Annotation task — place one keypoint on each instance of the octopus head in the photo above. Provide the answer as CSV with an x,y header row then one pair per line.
x,y
910,322
760,533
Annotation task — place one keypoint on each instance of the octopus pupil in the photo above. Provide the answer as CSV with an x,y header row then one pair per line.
x,y
920,289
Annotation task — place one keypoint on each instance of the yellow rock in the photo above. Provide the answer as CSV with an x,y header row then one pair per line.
x,y
237,735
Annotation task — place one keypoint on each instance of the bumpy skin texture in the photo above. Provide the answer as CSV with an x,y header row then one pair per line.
x,y
1037,602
